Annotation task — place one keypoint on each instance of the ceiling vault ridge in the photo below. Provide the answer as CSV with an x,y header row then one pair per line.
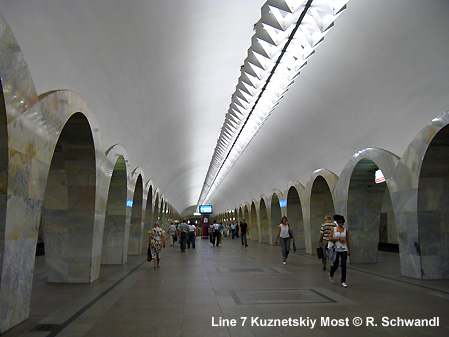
x,y
285,37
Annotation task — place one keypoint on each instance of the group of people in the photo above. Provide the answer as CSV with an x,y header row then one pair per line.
x,y
216,232
334,241
185,233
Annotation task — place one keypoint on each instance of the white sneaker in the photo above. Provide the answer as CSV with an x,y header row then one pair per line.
x,y
331,279
344,285
284,262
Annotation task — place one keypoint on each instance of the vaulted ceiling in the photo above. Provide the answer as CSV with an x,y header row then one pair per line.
x,y
159,76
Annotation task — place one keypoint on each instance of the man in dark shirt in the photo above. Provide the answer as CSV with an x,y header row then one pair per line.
x,y
244,230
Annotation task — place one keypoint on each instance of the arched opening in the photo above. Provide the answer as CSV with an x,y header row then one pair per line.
x,y
135,227
246,214
113,251
240,214
162,213
371,219
156,209
264,237
433,207
275,216
148,221
69,204
321,204
254,226
295,217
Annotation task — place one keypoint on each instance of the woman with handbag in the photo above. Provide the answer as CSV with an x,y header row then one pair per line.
x,y
156,241
340,237
285,234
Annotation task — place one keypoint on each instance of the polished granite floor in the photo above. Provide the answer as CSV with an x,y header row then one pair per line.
x,y
236,291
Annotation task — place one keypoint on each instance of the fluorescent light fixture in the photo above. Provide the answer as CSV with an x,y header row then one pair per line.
x,y
379,177
285,37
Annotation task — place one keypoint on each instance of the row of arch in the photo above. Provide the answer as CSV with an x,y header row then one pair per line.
x,y
60,184
408,209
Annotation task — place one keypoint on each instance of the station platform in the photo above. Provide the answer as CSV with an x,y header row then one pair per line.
x,y
233,290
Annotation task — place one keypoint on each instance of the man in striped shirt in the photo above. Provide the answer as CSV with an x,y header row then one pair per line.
x,y
326,228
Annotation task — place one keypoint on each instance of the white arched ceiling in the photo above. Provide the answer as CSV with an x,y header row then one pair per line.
x,y
159,76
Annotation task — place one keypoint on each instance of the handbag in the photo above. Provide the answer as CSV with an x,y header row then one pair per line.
x,y
294,247
320,253
290,233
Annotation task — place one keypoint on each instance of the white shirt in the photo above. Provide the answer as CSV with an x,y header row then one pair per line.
x,y
284,231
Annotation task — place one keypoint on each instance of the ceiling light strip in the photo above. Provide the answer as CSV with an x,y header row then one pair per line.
x,y
278,18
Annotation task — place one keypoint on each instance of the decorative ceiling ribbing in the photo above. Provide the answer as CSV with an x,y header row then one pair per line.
x,y
285,37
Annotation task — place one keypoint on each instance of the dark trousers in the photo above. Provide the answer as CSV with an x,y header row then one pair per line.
x,y
191,240
233,233
285,248
244,238
216,238
344,258
183,241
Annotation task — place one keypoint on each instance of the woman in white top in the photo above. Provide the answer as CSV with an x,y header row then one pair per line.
x,y
284,233
340,236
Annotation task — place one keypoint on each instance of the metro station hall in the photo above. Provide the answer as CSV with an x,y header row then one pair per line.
x,y
224,168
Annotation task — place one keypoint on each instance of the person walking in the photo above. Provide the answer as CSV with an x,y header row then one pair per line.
x,y
156,241
216,234
211,232
340,237
325,229
285,234
244,231
192,234
183,232
172,234
233,230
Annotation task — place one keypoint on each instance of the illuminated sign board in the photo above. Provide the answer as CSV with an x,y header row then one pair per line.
x,y
283,203
129,203
205,209
379,178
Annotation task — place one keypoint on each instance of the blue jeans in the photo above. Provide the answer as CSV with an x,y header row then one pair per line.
x,y
191,240
244,237
344,258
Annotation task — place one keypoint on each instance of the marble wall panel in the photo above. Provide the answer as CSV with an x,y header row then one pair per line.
x,y
18,88
25,215
17,276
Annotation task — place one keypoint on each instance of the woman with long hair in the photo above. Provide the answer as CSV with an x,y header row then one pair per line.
x,y
340,237
285,234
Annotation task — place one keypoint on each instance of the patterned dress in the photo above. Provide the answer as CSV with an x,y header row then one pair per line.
x,y
156,242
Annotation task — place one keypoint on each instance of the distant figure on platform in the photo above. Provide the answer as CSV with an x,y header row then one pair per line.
x,y
216,233
211,232
183,232
244,231
192,234
172,234
156,241
233,226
